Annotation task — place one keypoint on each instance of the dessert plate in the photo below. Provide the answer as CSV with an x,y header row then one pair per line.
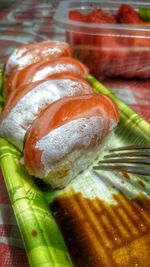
x,y
101,219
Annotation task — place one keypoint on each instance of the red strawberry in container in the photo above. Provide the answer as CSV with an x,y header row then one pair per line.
x,y
137,62
111,45
129,15
94,50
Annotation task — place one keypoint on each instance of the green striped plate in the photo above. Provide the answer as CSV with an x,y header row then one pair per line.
x,y
44,243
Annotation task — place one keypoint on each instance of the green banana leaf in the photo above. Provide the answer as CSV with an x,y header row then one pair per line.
x,y
44,243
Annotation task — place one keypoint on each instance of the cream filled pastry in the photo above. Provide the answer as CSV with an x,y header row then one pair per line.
x,y
24,104
41,70
66,137
27,54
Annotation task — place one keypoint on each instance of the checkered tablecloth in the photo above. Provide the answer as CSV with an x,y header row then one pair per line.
x,y
28,21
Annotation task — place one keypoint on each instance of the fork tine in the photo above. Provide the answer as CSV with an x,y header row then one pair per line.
x,y
133,159
133,147
129,154
123,168
126,160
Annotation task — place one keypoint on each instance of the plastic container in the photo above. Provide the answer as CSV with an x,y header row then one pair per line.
x,y
109,50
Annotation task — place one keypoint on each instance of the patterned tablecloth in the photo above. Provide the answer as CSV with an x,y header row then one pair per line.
x,y
28,21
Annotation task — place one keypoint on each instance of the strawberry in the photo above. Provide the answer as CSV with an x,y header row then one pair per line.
x,y
127,14
96,16
108,54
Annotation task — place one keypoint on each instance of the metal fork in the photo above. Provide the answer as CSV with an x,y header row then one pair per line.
x,y
132,159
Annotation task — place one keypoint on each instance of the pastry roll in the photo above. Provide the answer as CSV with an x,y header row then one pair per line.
x,y
24,104
41,70
28,54
66,137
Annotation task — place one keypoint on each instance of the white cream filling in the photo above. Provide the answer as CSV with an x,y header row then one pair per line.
x,y
14,126
76,161
66,151
42,74
72,135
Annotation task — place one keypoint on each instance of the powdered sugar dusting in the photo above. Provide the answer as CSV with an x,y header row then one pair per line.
x,y
15,59
62,140
20,118
58,68
30,53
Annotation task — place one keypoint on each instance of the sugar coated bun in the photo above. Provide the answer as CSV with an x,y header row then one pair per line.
x,y
25,103
28,54
42,70
66,137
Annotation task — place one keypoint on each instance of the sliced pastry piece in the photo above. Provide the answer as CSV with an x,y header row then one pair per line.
x,y
27,54
66,137
41,70
24,104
